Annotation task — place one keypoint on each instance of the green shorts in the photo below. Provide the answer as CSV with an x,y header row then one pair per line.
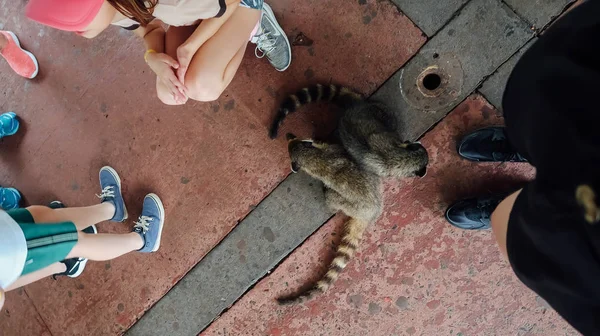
x,y
47,243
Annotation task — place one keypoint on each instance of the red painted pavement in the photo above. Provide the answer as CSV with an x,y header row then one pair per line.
x,y
414,273
93,104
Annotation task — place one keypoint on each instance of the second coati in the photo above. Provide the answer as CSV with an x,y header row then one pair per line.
x,y
367,130
348,188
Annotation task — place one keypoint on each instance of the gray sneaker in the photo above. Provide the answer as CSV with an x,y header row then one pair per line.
x,y
272,42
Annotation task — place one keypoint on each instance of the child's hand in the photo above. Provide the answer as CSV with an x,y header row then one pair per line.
x,y
164,67
185,53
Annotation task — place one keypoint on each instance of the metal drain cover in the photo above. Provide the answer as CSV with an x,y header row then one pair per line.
x,y
432,80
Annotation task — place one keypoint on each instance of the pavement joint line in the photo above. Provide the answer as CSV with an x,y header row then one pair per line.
x,y
289,252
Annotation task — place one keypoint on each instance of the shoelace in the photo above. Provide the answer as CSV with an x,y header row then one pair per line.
x,y
485,208
143,224
265,43
107,192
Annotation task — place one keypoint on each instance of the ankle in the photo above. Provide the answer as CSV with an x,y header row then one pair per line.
x,y
109,209
137,240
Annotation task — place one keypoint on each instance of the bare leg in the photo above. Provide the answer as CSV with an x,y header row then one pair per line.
x,y
105,246
37,275
216,62
82,217
500,218
174,37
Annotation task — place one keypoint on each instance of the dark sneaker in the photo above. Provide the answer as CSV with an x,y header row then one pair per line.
x,y
150,223
488,145
75,267
111,192
473,213
272,42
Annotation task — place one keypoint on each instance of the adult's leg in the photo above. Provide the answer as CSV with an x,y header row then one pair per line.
x,y
499,220
37,275
82,217
174,37
214,65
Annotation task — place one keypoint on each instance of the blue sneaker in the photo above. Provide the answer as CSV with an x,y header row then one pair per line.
x,y
111,192
9,124
150,223
11,198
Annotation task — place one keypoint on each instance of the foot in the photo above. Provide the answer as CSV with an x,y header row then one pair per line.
x,y
488,145
150,224
75,267
20,60
10,198
111,192
473,213
9,124
271,41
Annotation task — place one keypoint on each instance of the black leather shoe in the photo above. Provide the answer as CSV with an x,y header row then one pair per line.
x,y
488,145
473,213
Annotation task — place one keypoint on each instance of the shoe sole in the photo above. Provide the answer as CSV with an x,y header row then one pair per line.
x,y
37,67
269,11
118,179
161,211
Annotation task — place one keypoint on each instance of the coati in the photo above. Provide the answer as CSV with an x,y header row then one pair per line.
x,y
368,149
366,130
348,188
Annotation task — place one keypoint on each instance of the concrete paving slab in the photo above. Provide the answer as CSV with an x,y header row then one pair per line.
x,y
413,274
539,12
472,46
280,223
430,15
93,104
493,87
20,314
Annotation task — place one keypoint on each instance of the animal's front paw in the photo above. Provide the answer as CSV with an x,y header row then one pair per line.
x,y
295,166
421,172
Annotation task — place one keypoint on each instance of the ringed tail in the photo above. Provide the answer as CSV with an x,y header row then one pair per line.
x,y
345,251
311,94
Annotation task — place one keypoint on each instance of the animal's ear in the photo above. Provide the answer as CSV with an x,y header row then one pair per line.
x,y
290,136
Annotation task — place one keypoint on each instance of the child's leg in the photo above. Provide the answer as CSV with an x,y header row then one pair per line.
x,y
174,37
105,246
82,217
37,275
217,60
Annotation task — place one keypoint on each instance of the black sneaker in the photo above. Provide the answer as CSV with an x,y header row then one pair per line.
x,y
488,145
473,213
75,267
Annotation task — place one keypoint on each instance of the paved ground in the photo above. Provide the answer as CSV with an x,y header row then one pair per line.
x,y
216,171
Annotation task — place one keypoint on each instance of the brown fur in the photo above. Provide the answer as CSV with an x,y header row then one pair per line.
x,y
350,189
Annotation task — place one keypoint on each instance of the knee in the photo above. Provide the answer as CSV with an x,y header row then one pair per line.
x,y
205,90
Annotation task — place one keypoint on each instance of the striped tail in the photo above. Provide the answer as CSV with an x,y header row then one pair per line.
x,y
315,93
345,251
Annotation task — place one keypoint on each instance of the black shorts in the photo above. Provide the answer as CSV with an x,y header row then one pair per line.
x,y
552,111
